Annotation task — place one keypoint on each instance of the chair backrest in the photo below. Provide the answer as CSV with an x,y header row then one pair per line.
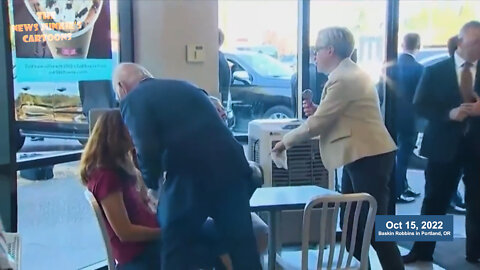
x,y
330,207
94,114
103,228
13,247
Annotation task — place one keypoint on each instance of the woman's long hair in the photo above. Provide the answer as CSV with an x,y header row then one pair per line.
x,y
109,146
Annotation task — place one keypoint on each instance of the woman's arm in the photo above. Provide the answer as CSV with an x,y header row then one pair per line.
x,y
116,214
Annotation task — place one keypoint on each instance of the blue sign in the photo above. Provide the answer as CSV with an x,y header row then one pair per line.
x,y
63,70
413,228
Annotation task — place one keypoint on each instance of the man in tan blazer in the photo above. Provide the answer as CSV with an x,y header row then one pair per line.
x,y
351,129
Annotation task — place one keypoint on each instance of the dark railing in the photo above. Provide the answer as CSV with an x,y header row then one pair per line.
x,y
48,160
70,156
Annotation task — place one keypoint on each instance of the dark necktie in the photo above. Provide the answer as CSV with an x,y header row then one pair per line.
x,y
466,89
466,83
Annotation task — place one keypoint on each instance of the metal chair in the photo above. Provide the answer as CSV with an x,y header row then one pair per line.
x,y
336,255
103,228
14,247
95,113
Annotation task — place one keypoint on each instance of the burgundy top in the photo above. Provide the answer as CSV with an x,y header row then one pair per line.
x,y
103,182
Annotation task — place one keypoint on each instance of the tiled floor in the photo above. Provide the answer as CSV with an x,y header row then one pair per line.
x,y
58,229
56,224
293,258
417,182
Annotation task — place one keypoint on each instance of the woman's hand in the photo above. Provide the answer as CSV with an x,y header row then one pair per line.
x,y
117,216
152,200
149,196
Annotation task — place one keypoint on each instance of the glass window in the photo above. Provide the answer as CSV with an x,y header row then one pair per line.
x,y
435,22
63,63
260,44
63,53
365,18
266,65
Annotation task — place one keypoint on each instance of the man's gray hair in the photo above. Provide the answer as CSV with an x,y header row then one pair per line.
x,y
339,38
142,72
468,25
130,71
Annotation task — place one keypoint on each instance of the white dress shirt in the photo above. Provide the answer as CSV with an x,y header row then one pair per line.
x,y
459,61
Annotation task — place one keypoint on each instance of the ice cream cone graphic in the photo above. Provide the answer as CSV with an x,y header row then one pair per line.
x,y
66,25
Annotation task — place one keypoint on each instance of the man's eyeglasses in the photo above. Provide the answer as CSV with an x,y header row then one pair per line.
x,y
318,48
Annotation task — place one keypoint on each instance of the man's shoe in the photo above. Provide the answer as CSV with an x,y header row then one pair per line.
x,y
412,257
462,205
410,193
405,199
473,259
456,210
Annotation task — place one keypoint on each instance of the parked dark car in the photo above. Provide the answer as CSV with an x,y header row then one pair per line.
x,y
263,49
290,60
260,88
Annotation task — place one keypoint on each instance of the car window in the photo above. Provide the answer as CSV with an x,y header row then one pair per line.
x,y
234,66
266,66
433,59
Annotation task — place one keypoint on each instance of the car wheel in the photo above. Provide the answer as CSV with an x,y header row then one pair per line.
x,y
278,112
19,140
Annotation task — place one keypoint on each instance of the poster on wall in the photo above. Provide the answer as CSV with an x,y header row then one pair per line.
x,y
61,40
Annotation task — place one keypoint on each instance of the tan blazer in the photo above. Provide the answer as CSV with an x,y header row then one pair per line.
x,y
348,119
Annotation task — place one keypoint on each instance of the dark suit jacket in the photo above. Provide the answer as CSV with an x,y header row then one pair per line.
x,y
405,75
176,129
437,94
224,76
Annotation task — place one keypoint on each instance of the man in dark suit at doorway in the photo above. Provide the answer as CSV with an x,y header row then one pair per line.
x,y
448,97
316,82
224,72
404,76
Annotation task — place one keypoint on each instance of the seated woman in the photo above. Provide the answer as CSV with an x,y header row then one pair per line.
x,y
107,170
260,229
